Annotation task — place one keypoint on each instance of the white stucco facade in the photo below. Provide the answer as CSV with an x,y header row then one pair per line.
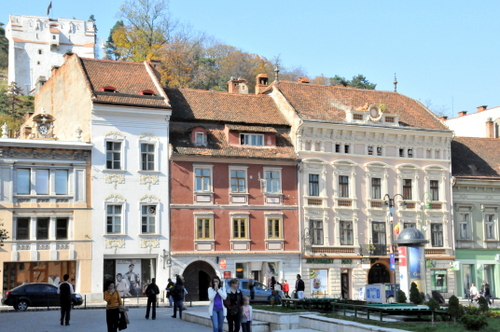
x,y
475,124
38,43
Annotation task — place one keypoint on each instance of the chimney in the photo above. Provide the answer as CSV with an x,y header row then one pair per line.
x,y
237,85
462,113
41,81
155,66
53,70
482,108
261,83
490,128
443,118
303,80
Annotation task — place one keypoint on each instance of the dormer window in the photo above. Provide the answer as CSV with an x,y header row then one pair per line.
x,y
200,138
109,89
389,119
147,93
252,139
357,116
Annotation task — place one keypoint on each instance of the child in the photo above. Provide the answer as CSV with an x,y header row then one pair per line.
x,y
246,315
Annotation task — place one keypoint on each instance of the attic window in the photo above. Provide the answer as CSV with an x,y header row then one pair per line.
x,y
252,139
108,89
147,93
200,138
389,119
357,116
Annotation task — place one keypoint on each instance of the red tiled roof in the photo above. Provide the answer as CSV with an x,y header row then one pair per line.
x,y
191,104
328,103
129,79
218,146
475,157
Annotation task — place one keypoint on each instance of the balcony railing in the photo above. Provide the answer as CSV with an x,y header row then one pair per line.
x,y
375,249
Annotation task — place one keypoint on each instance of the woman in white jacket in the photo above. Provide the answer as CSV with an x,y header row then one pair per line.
x,y
217,294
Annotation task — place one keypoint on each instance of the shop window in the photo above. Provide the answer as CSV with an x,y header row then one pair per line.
x,y
439,281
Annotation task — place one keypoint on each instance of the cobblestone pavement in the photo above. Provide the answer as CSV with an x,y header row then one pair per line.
x,y
91,320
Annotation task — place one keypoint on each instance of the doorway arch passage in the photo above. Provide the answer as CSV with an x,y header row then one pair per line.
x,y
379,274
197,277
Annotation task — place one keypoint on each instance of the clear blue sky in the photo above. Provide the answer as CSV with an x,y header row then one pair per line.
x,y
443,51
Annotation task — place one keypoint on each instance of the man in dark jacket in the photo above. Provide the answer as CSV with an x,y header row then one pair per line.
x,y
299,287
151,291
178,295
65,290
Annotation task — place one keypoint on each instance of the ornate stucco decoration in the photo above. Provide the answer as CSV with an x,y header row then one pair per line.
x,y
114,244
149,180
113,198
114,135
150,244
149,199
115,179
148,137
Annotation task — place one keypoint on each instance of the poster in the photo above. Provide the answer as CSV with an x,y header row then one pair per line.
x,y
128,277
319,279
416,260
403,270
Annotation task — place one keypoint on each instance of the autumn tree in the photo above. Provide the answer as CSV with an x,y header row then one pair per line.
x,y
147,26
13,106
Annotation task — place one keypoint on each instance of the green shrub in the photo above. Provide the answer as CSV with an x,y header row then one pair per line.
x,y
473,322
454,307
415,296
401,298
483,304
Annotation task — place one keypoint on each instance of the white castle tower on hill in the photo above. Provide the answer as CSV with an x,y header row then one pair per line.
x,y
37,43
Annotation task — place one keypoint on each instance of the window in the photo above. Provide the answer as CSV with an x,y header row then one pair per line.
x,y
23,181
114,219
437,235
410,153
42,181
42,228
489,225
376,188
439,281
337,148
240,228
113,155
313,184
273,183
464,224
407,189
346,148
148,218
343,186
274,228
23,229
202,179
252,139
370,150
200,138
378,233
401,152
203,228
238,181
346,232
434,186
61,228
147,157
40,51
379,150
61,182
357,116
316,231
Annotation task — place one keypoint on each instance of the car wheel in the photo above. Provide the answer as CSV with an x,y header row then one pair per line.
x,y
391,300
22,305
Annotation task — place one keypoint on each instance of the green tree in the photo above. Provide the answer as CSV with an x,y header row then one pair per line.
x,y
4,48
401,298
360,82
415,296
14,106
338,80
454,307
3,234
110,47
433,306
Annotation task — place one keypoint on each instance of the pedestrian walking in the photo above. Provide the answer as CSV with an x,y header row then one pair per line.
x,y
169,287
299,287
233,303
65,290
217,294
487,292
113,302
246,315
152,291
286,289
178,295
473,292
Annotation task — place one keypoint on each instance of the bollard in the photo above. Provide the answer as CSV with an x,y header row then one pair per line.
x,y
85,301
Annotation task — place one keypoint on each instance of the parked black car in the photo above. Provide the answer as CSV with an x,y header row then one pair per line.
x,y
35,295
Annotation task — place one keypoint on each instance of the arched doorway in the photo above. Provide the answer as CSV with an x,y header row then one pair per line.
x,y
379,274
197,279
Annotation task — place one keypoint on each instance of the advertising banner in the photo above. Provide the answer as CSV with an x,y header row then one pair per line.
x,y
403,270
416,264
319,281
128,277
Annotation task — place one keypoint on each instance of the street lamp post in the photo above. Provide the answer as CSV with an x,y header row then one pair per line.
x,y
389,201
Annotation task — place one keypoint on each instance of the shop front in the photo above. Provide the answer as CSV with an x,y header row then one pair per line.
x,y
18,273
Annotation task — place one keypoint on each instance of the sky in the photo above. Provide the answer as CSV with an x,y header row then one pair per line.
x,y
444,53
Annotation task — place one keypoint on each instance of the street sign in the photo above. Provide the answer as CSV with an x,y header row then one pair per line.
x,y
393,262
222,263
227,274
